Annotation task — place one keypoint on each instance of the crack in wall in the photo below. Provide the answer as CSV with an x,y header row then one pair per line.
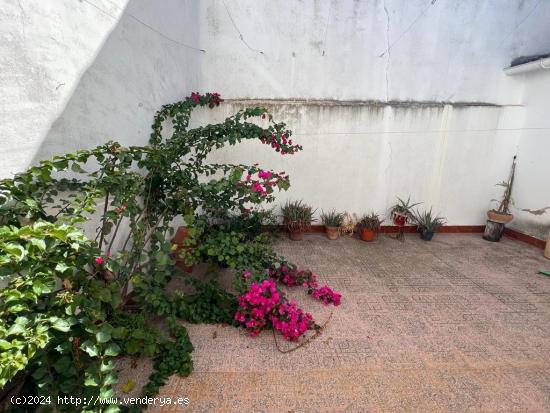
x,y
388,51
241,37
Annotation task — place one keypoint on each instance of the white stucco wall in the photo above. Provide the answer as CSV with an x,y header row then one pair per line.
x,y
77,73
532,187
74,74
360,157
451,50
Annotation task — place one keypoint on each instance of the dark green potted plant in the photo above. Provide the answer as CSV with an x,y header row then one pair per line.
x,y
297,217
427,223
402,211
369,226
332,221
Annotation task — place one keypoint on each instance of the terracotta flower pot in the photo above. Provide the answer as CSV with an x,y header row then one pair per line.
x,y
180,248
296,234
332,232
367,234
499,217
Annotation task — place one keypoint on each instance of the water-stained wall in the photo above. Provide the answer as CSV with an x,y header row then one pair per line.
x,y
358,157
388,97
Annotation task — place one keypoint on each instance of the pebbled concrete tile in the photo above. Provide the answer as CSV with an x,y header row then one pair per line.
x,y
453,325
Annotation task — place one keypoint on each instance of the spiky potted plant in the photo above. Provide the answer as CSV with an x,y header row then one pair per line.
x,y
427,223
332,221
297,217
502,213
402,211
369,226
500,216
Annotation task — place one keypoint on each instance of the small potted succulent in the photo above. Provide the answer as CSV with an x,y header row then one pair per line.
x,y
297,217
401,212
427,223
369,226
332,221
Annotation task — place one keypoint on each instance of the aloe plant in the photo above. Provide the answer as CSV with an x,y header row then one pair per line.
x,y
427,221
404,207
297,215
332,218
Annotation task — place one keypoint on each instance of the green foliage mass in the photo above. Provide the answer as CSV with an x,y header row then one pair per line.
x,y
72,303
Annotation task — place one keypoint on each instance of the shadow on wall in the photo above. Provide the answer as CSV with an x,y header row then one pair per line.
x,y
141,66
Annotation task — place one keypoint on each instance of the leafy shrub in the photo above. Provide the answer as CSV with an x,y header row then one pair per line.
x,y
66,310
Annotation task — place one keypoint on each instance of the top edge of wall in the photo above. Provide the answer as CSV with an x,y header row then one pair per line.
x,y
376,103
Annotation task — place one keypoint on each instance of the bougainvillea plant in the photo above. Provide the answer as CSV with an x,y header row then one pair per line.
x,y
71,297
263,306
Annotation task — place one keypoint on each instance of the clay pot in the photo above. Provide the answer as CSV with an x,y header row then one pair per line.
x,y
179,242
367,234
499,217
296,235
400,219
547,249
332,232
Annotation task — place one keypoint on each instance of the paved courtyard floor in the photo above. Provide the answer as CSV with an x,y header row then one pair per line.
x,y
453,325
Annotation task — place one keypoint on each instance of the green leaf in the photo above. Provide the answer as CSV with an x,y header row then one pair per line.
x,y
15,329
90,348
60,324
119,332
91,380
104,333
38,243
15,249
112,350
4,344
77,168
61,267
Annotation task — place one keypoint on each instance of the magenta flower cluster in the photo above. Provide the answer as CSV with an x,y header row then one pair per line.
x,y
210,99
264,183
291,276
282,143
291,321
326,295
263,306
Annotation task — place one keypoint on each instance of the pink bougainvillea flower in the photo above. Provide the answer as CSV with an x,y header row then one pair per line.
x,y
247,274
264,174
258,188
326,295
99,260
196,97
